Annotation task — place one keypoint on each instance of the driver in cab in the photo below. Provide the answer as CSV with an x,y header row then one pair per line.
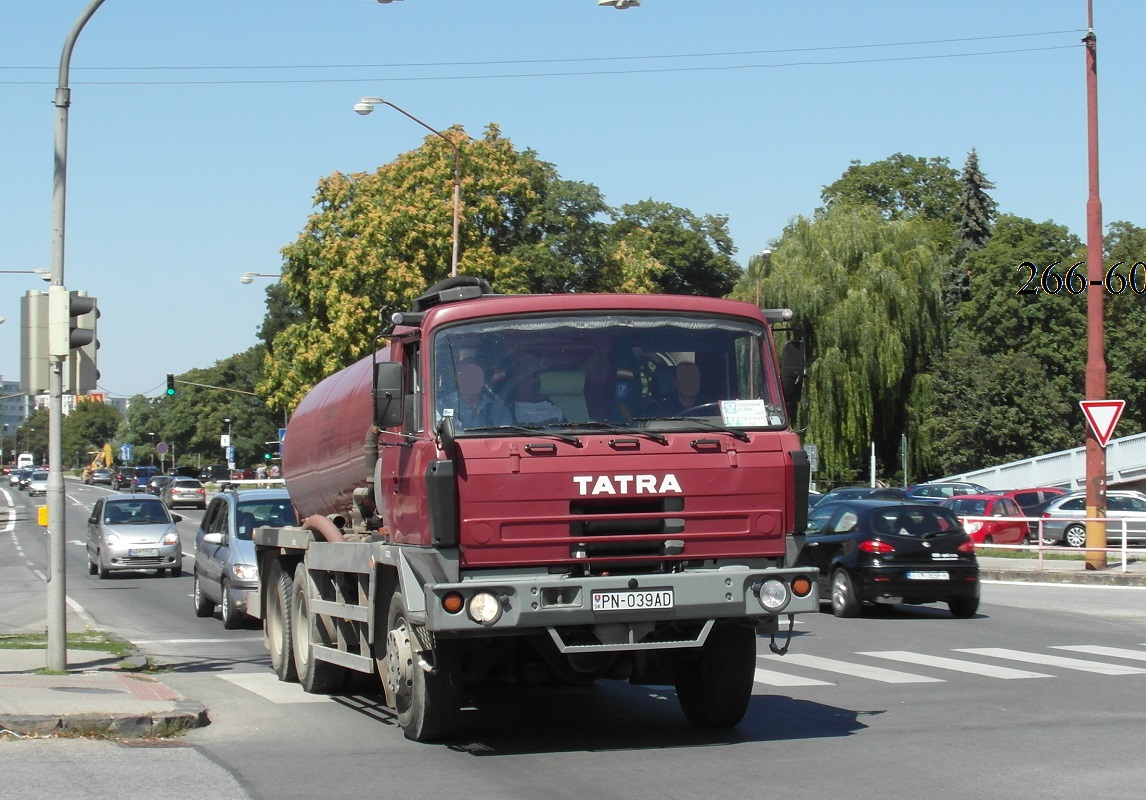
x,y
474,404
686,388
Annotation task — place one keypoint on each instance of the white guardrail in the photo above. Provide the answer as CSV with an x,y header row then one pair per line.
x,y
1042,547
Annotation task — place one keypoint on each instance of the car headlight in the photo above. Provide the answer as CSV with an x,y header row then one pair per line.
x,y
110,539
171,537
245,572
773,595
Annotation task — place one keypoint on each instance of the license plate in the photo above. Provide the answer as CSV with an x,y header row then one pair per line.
x,y
931,575
145,553
632,600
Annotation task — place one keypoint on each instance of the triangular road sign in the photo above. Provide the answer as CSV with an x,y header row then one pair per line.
x,y
1102,415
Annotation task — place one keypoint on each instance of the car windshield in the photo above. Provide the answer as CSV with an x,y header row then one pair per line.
x,y
136,512
921,522
578,372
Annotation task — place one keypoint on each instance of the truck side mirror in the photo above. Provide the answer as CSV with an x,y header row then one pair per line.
x,y
388,394
793,371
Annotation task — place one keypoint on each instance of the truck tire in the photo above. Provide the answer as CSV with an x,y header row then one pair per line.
x,y
279,627
427,705
715,688
316,677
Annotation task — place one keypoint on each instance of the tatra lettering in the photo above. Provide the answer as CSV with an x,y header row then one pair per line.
x,y
626,484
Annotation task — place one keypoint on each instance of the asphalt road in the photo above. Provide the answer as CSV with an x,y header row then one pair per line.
x,y
1038,696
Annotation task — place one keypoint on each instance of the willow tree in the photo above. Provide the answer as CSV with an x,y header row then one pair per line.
x,y
869,292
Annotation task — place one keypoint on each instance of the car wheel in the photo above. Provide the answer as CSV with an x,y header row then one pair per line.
x,y
203,605
92,568
845,601
1075,536
963,607
104,572
988,540
232,619
177,572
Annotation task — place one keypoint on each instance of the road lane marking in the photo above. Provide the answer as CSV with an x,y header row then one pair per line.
x,y
1099,650
1053,661
269,687
771,678
986,670
855,670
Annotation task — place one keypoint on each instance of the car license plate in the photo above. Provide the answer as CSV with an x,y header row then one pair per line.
x,y
144,553
930,575
632,600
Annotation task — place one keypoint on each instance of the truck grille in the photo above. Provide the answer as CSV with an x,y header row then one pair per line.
x,y
625,526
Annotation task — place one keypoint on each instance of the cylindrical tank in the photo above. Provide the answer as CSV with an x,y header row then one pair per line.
x,y
323,456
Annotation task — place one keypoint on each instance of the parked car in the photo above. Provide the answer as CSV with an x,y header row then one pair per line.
x,y
184,492
862,493
1006,525
100,475
156,484
938,492
1064,518
226,572
891,552
133,531
1032,501
38,482
214,472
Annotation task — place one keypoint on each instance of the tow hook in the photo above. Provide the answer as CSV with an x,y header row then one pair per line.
x,y
787,639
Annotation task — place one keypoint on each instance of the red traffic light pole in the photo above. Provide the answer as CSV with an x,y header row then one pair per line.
x,y
1095,308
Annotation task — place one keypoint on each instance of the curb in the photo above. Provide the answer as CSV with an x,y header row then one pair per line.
x,y
1084,577
184,716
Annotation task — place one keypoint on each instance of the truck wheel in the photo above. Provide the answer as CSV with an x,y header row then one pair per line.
x,y
279,624
316,677
203,606
715,688
427,704
232,619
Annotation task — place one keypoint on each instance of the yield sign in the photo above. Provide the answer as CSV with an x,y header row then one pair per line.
x,y
1102,415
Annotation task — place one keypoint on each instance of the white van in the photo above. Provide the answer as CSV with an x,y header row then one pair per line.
x,y
25,460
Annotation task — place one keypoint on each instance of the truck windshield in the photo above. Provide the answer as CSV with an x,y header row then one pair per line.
x,y
581,372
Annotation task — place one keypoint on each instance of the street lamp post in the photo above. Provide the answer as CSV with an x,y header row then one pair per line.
x,y
249,277
366,105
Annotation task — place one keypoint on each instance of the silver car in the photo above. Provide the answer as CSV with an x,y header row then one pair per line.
x,y
133,531
1064,518
38,483
226,572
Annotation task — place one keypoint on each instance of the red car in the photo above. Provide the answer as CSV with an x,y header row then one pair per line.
x,y
990,531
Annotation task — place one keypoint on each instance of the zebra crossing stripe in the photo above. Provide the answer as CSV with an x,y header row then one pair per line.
x,y
1083,665
770,678
855,670
1099,650
957,665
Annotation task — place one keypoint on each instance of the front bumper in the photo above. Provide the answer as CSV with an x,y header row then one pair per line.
x,y
539,603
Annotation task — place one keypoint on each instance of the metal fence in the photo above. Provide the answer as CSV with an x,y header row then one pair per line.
x,y
1040,546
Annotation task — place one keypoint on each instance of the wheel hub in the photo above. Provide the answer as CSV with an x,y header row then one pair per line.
x,y
400,662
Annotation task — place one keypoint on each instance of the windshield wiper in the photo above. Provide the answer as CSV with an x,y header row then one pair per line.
x,y
741,435
528,430
614,428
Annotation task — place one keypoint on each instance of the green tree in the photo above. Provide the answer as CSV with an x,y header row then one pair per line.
x,y
868,290
1125,315
976,213
32,435
901,187
88,428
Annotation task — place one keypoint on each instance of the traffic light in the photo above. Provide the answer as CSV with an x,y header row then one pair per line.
x,y
170,385
34,342
82,374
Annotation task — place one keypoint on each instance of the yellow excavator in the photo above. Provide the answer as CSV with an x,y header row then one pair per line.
x,y
98,459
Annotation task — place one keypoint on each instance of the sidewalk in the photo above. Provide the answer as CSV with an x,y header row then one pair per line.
x,y
100,694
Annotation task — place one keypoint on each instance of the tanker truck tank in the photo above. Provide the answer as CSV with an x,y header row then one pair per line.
x,y
324,458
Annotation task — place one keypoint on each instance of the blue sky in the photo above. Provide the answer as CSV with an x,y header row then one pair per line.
x,y
198,131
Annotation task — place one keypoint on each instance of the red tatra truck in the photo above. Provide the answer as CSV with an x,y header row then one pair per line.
x,y
617,494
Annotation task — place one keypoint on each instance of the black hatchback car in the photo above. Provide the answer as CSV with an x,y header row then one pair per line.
x,y
888,552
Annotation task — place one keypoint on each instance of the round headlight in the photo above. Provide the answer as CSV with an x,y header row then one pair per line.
x,y
484,608
773,595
